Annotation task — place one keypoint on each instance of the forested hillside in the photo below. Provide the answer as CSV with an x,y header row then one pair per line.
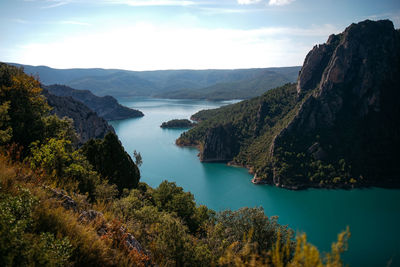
x,y
64,206
196,84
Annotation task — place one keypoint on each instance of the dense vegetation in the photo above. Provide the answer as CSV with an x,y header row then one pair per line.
x,y
253,86
61,207
178,123
254,123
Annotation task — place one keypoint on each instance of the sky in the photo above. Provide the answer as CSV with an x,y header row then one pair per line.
x,y
176,34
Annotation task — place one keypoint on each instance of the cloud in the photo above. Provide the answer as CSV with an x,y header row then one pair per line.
x,y
55,4
248,2
279,2
147,46
152,2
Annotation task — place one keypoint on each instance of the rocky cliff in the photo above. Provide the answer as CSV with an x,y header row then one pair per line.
x,y
105,106
352,114
341,130
87,123
220,144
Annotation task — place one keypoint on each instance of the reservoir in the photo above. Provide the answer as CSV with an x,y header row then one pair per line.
x,y
372,214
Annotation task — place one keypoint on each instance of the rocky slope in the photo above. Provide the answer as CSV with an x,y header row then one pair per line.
x,y
106,106
342,129
87,123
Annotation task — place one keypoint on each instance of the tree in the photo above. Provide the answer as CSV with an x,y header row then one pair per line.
x,y
26,106
110,159
138,158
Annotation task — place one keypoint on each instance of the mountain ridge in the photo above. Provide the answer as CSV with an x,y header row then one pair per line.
x,y
342,126
105,106
165,83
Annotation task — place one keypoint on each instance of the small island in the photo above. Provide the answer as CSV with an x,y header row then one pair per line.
x,y
176,123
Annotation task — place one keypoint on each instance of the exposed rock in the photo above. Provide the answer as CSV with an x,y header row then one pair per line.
x,y
88,216
317,152
315,63
87,123
354,106
105,106
66,201
339,127
220,144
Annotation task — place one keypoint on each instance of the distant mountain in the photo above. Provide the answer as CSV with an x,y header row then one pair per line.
x,y
87,123
338,127
256,85
106,106
201,84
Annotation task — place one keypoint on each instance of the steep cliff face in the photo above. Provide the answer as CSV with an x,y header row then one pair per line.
x,y
86,122
352,114
341,128
220,145
106,107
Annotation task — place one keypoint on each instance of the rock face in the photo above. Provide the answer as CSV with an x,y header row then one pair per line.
x,y
87,123
220,144
338,127
353,108
106,106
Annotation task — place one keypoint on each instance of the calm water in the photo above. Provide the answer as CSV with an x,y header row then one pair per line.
x,y
372,214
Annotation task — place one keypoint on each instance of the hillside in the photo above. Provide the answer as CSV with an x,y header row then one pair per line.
x,y
243,89
106,106
64,206
200,84
337,127
86,122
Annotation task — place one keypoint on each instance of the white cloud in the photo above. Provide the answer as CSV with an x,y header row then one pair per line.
x,y
248,2
152,2
55,4
149,47
279,2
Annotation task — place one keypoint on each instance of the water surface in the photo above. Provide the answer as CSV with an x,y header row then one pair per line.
x,y
372,214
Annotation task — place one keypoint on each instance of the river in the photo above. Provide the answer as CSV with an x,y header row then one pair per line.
x,y
373,214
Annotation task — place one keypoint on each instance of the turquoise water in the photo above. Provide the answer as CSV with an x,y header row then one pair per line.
x,y
372,214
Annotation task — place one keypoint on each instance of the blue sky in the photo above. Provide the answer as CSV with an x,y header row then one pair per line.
x,y
176,34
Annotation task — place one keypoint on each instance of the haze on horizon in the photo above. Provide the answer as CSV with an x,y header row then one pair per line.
x,y
176,34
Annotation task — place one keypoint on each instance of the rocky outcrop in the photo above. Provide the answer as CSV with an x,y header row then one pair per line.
x,y
106,106
353,109
86,122
103,227
338,127
220,145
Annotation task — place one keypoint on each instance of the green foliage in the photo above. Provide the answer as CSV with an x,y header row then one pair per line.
x,y
182,123
25,104
64,165
255,123
252,222
110,159
20,244
5,131
138,158
172,199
